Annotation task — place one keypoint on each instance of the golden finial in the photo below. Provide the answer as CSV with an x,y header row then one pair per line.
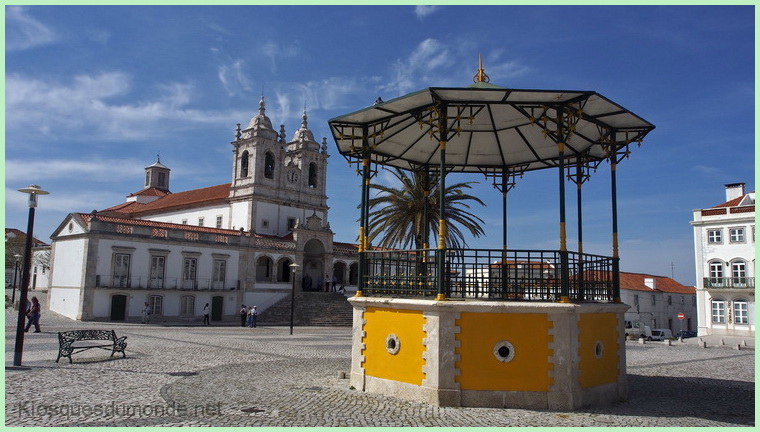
x,y
481,75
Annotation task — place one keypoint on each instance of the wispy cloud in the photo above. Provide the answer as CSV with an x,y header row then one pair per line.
x,y
92,170
88,107
428,57
234,78
424,11
23,32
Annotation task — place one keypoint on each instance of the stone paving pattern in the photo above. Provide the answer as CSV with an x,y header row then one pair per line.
x,y
225,375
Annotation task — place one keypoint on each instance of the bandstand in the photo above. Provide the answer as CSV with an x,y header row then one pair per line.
x,y
540,329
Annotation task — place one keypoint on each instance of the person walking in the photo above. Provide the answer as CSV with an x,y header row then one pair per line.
x,y
243,315
146,313
206,317
34,315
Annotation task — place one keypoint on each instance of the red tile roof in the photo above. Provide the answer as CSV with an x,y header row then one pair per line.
x,y
176,201
17,233
151,191
635,282
735,202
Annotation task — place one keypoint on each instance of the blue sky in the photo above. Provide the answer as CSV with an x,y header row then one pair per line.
x,y
93,93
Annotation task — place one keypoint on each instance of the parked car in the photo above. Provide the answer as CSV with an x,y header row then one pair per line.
x,y
686,334
661,334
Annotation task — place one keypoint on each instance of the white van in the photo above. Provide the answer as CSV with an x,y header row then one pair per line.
x,y
661,334
637,329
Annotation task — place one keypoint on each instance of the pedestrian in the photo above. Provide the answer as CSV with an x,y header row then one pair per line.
x,y
243,315
33,313
252,316
327,283
206,318
335,283
146,313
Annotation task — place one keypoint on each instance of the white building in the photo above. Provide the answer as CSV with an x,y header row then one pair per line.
x,y
225,245
724,251
657,300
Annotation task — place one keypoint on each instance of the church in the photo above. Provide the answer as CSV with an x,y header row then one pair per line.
x,y
227,245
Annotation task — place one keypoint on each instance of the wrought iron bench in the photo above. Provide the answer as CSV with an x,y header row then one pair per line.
x,y
68,339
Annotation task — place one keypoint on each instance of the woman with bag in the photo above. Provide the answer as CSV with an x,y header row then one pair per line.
x,y
34,316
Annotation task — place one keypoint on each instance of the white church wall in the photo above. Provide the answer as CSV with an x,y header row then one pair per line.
x,y
68,256
64,301
239,215
193,216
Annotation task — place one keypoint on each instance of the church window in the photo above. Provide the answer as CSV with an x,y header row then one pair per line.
x,y
265,223
187,305
218,221
162,180
220,271
156,303
190,273
201,221
121,270
292,224
244,164
147,178
284,270
269,165
312,175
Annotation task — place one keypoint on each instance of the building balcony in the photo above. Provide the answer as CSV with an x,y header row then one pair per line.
x,y
729,283
146,282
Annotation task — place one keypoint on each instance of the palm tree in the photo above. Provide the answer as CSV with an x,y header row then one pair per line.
x,y
398,214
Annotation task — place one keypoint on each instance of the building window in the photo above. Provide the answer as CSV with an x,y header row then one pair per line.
x,y
312,175
739,272
157,270
147,178
269,165
220,271
654,299
291,224
670,300
162,180
244,164
741,308
190,272
187,305
265,223
635,299
737,235
719,311
683,301
184,221
201,221
715,236
716,273
218,221
121,270
156,303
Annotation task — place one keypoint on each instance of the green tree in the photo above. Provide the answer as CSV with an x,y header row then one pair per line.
x,y
397,214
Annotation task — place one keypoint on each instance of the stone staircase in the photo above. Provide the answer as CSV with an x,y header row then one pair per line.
x,y
319,309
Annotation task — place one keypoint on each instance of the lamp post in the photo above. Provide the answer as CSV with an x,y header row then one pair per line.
x,y
15,273
293,268
33,191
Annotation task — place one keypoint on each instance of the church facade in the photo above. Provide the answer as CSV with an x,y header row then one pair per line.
x,y
226,245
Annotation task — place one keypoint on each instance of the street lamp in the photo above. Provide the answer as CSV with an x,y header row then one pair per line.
x,y
15,272
293,268
33,191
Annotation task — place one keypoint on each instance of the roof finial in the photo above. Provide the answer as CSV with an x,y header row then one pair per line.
x,y
158,157
481,75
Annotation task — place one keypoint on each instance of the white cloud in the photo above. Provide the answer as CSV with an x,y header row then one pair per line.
x,y
428,59
99,170
88,107
24,32
234,78
424,11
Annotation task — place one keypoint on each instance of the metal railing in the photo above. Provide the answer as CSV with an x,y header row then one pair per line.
x,y
145,282
729,282
488,274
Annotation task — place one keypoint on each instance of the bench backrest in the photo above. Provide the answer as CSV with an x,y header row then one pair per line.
x,y
76,335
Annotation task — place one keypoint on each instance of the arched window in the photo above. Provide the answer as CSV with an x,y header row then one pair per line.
x,y
739,272
284,270
312,175
269,165
716,273
264,269
353,274
741,311
244,164
718,311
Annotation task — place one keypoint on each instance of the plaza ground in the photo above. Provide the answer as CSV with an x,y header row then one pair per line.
x,y
225,375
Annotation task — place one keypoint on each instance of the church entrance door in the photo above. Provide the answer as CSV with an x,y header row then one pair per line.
x,y
118,307
217,308
314,265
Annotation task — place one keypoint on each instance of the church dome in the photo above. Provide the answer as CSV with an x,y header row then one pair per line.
x,y
303,135
261,120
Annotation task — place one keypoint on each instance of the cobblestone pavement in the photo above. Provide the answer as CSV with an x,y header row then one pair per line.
x,y
233,376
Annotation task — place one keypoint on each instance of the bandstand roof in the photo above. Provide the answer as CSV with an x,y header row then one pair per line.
x,y
489,129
